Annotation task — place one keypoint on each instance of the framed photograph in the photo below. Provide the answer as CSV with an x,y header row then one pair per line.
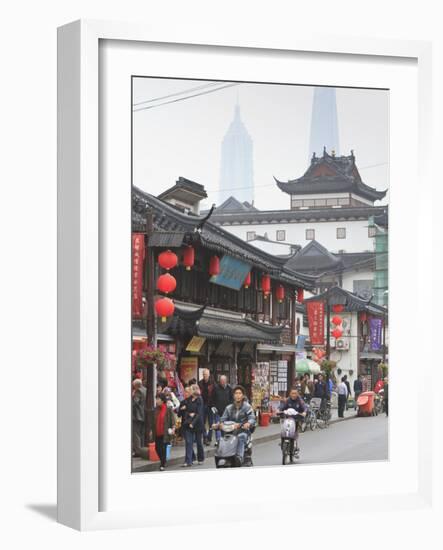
x,y
232,247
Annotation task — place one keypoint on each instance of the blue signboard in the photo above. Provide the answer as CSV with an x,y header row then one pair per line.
x,y
232,273
300,342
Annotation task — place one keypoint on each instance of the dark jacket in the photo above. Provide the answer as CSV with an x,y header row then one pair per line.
x,y
138,404
241,415
348,385
192,412
321,389
358,386
298,404
206,389
169,423
221,397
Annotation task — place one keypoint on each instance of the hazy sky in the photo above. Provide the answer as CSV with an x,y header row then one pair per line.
x,y
184,138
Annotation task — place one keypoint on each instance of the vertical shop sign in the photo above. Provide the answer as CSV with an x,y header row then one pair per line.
x,y
138,256
316,320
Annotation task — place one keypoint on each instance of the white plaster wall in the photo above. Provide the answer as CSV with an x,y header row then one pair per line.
x,y
351,276
356,240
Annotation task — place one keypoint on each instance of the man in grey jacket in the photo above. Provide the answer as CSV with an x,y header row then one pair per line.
x,y
138,416
240,412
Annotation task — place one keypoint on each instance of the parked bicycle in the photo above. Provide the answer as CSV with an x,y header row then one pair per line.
x,y
310,420
322,411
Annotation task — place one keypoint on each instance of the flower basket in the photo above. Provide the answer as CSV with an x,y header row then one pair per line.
x,y
150,356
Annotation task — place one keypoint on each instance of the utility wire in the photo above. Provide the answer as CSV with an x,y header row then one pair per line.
x,y
184,98
176,93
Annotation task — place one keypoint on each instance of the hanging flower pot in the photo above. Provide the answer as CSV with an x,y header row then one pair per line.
x,y
188,257
336,333
247,282
280,293
164,308
337,320
214,266
338,308
300,295
167,260
166,283
266,285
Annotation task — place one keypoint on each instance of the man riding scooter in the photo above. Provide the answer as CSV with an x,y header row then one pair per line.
x,y
294,401
240,412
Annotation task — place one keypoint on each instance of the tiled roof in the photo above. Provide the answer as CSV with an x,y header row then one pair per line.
x,y
343,177
167,218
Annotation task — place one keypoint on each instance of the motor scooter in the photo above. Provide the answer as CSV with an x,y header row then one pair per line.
x,y
226,451
288,431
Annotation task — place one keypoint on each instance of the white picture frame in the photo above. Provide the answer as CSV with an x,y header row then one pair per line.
x,y
89,461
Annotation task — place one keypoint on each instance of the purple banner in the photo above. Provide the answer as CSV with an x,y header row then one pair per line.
x,y
375,333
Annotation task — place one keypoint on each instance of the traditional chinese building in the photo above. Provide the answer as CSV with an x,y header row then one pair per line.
x,y
329,203
235,305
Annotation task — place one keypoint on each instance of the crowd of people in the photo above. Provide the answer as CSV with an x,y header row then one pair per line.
x,y
206,404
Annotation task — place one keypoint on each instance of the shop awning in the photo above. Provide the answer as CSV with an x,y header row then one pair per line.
x,y
371,355
283,348
308,366
216,324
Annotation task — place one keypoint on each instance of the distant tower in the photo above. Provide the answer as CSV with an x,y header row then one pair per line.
x,y
236,174
324,125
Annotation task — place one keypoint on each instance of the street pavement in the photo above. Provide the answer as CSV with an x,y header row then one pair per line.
x,y
356,439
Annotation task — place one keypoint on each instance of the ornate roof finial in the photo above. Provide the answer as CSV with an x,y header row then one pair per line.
x,y
333,152
324,150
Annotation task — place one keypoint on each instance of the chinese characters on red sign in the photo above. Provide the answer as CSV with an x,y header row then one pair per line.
x,y
316,321
138,256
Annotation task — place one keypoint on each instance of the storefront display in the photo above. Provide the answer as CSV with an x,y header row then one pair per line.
x,y
260,385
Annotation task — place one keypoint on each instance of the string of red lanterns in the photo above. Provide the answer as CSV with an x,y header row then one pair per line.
x,y
280,293
188,257
214,266
337,320
266,284
336,333
338,308
300,295
166,283
247,281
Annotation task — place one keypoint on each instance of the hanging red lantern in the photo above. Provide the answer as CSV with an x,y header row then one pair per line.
x,y
300,295
166,283
247,282
266,285
280,293
337,320
188,257
363,316
167,260
214,266
165,308
338,308
336,333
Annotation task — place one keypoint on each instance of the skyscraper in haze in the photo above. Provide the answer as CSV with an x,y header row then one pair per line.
x,y
324,125
236,173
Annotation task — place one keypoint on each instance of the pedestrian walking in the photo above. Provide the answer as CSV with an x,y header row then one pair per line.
x,y
221,397
206,388
386,396
307,388
193,426
138,416
342,391
163,428
358,388
348,385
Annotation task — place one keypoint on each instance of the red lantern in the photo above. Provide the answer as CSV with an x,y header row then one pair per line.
x,y
363,316
167,260
280,293
188,257
266,285
247,282
214,266
337,320
338,308
336,333
166,283
164,308
300,295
